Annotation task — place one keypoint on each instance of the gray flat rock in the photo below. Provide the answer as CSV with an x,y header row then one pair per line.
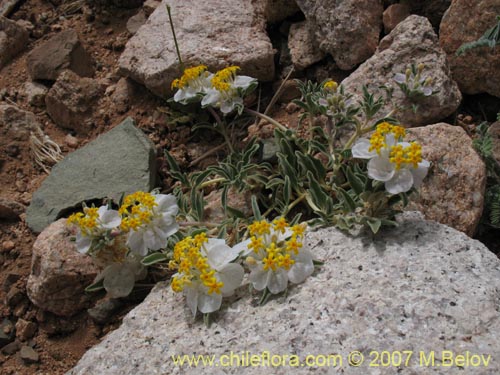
x,y
216,33
119,161
421,287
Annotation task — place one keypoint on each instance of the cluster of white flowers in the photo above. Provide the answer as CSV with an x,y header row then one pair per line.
x,y
273,253
223,90
398,164
143,223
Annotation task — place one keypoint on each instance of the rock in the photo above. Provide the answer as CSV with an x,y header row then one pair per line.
x,y
412,41
25,329
103,311
304,50
275,11
433,10
118,162
422,286
71,100
150,6
11,348
348,30
8,246
477,70
14,297
13,40
15,123
7,6
59,273
63,51
453,191
121,95
54,325
241,201
216,33
136,21
393,15
7,332
128,3
494,131
29,355
71,141
35,93
10,209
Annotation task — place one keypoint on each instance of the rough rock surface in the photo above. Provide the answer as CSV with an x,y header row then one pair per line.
x,y
7,6
477,70
9,209
15,123
136,21
216,33
393,15
421,287
119,161
62,51
412,41
35,93
13,39
59,273
277,10
71,100
304,50
453,191
348,30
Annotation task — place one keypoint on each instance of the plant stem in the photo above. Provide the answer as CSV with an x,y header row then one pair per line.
x,y
294,203
222,128
267,118
181,64
211,182
198,223
208,153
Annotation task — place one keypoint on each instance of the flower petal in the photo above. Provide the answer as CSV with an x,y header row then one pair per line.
x,y
243,81
208,303
360,149
219,254
302,268
401,182
380,169
109,218
400,78
278,281
232,276
192,298
135,242
259,278
212,97
419,173
83,243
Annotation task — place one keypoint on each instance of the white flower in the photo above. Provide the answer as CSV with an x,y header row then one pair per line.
x,y
149,219
398,164
205,273
92,224
193,84
227,90
275,255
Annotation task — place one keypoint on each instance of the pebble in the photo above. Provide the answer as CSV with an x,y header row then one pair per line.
x,y
11,348
8,245
71,141
29,355
25,329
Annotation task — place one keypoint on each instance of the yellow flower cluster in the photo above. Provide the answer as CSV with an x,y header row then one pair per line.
x,y
192,264
136,210
377,140
330,85
264,238
406,155
190,74
223,78
86,221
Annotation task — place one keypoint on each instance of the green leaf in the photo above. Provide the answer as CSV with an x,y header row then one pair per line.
x,y
354,181
347,200
374,224
255,208
95,287
154,258
287,190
